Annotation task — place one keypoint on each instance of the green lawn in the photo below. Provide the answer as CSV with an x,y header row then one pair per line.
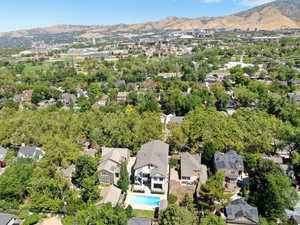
x,y
143,213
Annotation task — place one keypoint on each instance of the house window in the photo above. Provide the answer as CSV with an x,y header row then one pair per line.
x,y
117,175
105,179
161,179
158,186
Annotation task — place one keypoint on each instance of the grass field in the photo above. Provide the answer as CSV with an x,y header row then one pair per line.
x,y
143,213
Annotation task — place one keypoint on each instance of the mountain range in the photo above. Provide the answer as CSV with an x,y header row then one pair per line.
x,y
280,14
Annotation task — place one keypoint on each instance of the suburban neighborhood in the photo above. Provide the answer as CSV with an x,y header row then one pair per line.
x,y
153,123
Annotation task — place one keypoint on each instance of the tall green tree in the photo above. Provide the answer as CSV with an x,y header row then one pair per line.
x,y
15,180
85,177
212,219
271,190
176,215
212,194
123,182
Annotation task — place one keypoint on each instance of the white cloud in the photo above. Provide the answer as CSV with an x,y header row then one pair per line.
x,y
253,2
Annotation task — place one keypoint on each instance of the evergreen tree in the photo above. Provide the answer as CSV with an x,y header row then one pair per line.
x,y
212,194
123,182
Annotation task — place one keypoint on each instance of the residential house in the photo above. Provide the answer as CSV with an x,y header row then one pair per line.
x,y
7,219
287,169
140,221
296,219
68,99
173,119
120,83
46,103
215,76
232,165
151,170
30,152
170,75
231,65
133,85
296,83
110,164
25,96
295,213
100,103
3,153
191,168
111,195
147,85
68,172
122,96
81,93
240,212
90,152
295,97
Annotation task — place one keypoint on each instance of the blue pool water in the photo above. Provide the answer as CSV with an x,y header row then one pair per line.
x,y
145,200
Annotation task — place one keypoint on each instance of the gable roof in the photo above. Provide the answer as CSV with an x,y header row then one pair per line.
x,y
3,153
239,208
229,160
111,195
190,163
5,218
30,152
109,166
176,119
155,153
139,221
69,171
118,155
296,218
90,152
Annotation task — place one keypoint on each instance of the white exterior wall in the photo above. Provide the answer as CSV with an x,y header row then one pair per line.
x,y
156,180
11,222
153,180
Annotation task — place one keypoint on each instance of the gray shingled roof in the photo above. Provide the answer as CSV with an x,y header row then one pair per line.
x,y
68,171
175,119
110,166
117,155
30,152
275,159
296,218
239,208
3,153
190,163
5,218
154,153
139,221
111,195
296,210
229,160
90,152
295,96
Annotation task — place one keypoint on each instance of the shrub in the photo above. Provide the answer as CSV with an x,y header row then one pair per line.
x,y
172,199
33,219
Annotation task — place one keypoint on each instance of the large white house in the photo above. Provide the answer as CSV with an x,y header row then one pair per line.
x,y
151,170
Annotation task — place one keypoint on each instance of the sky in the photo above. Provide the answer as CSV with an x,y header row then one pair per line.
x,y
25,14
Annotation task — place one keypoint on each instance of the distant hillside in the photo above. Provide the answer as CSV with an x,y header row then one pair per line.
x,y
280,14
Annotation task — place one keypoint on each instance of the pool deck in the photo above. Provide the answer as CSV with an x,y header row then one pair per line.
x,y
142,207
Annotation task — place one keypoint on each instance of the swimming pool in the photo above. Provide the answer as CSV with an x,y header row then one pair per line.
x,y
145,200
